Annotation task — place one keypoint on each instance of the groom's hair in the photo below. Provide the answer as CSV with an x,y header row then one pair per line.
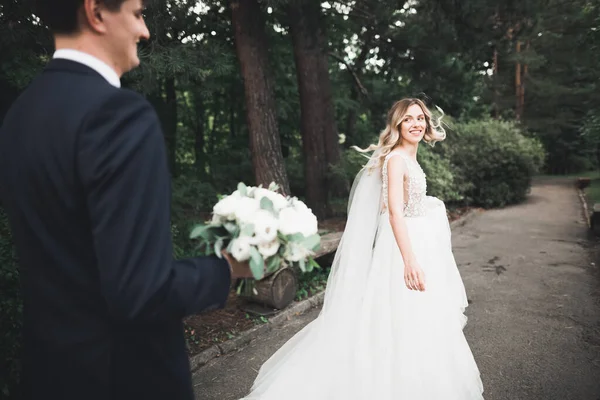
x,y
61,16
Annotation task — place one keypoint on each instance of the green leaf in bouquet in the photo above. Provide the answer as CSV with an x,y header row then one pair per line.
x,y
243,189
309,267
302,265
296,237
257,264
267,204
219,246
199,231
273,264
312,242
313,263
231,227
273,187
283,239
247,230
207,246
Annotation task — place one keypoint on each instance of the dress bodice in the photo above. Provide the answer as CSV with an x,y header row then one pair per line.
x,y
415,192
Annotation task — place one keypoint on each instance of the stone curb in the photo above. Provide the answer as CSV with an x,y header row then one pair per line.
x,y
465,218
247,336
586,212
287,314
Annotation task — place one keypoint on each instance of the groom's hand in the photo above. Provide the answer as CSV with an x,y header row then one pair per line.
x,y
238,269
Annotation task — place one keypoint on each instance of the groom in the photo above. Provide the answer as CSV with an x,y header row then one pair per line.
x,y
84,181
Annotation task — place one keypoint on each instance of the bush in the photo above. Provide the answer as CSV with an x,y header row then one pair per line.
x,y
494,160
441,179
192,199
10,313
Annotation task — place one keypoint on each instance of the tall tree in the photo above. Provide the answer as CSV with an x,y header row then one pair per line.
x,y
251,46
318,126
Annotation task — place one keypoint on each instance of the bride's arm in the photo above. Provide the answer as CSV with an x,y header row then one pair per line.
x,y
413,274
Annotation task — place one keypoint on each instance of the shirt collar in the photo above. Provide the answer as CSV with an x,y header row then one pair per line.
x,y
94,63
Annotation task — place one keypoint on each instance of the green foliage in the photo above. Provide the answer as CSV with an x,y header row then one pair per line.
x,y
10,313
484,163
590,134
310,283
593,191
441,176
350,164
495,160
191,199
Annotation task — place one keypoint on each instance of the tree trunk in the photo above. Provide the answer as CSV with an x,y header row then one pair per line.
x,y
333,151
232,116
358,66
496,84
199,152
518,86
216,109
171,123
276,291
317,122
251,46
523,78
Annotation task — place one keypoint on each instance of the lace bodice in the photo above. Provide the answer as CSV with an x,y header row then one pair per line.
x,y
415,190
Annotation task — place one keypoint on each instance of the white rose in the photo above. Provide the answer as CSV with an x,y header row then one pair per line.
x,y
310,225
265,226
295,253
268,249
299,205
217,220
289,221
277,199
245,210
240,248
227,206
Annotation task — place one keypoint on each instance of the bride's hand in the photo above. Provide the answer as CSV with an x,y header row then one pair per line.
x,y
414,277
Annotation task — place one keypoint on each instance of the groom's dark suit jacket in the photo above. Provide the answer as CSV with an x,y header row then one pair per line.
x,y
85,184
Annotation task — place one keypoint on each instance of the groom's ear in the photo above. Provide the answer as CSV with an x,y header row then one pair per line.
x,y
92,11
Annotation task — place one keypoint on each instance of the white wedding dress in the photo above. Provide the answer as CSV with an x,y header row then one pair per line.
x,y
375,338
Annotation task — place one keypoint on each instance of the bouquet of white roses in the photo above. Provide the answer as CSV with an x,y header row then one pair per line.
x,y
262,227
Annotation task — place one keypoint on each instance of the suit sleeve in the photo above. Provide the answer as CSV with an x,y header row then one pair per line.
x,y
122,163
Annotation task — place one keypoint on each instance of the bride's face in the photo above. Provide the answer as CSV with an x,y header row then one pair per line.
x,y
413,124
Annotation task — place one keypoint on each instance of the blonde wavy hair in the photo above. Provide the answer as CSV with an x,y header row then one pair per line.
x,y
391,135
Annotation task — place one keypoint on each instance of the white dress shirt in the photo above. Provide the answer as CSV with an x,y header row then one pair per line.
x,y
96,64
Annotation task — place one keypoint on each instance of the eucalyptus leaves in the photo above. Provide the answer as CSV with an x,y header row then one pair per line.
x,y
262,227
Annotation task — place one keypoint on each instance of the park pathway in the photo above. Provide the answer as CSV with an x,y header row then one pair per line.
x,y
534,318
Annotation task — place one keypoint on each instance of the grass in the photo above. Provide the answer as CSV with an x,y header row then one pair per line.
x,y
593,191
588,174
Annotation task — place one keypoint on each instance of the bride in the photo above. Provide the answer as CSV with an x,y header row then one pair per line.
x,y
392,322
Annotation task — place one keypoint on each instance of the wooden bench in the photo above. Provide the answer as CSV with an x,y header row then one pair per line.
x,y
279,290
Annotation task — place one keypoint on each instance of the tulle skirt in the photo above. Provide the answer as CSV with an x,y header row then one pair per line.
x,y
393,343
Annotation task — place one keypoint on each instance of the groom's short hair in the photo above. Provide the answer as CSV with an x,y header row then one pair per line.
x,y
61,15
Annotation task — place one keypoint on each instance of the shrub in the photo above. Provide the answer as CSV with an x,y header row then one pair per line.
x,y
495,160
441,177
192,199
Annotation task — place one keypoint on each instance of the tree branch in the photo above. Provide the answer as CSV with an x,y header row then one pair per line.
x,y
362,89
